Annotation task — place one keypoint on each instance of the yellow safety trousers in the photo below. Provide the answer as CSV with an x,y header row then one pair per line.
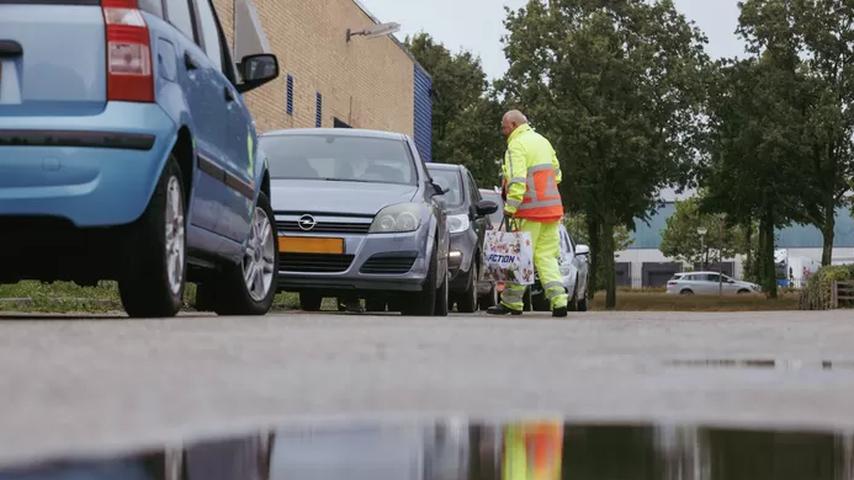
x,y
545,240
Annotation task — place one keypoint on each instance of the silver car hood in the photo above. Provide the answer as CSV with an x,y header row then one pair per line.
x,y
320,196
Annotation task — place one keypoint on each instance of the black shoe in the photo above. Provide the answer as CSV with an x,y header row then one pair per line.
x,y
502,310
559,312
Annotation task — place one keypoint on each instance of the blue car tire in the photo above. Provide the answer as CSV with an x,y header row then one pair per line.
x,y
155,245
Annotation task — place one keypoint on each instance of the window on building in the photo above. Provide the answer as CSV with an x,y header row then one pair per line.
x,y
338,123
318,120
289,95
181,16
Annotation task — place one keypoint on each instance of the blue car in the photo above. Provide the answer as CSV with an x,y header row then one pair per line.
x,y
128,154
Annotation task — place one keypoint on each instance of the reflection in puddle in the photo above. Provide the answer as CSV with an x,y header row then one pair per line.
x,y
456,450
725,363
784,364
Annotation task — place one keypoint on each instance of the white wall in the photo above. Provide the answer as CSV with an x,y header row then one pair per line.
x,y
637,257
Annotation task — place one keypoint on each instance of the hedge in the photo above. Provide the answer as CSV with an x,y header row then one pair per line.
x,y
816,295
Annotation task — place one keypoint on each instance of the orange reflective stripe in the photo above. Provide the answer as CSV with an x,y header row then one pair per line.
x,y
545,167
542,198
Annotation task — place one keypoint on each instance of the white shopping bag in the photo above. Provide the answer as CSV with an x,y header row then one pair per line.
x,y
508,257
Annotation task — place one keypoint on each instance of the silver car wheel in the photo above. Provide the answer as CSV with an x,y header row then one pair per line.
x,y
175,236
258,267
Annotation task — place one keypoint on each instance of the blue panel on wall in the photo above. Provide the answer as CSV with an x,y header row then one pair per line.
x,y
423,113
290,95
648,236
318,120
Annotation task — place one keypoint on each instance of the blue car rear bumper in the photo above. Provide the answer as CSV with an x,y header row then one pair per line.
x,y
95,171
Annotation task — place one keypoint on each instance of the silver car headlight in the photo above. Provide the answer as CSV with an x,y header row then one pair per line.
x,y
404,217
458,223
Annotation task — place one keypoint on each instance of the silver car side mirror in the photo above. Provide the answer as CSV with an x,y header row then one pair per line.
x,y
582,250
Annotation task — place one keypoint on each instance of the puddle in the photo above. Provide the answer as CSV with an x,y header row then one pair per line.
x,y
459,450
767,364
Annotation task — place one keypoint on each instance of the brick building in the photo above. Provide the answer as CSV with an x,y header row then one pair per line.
x,y
328,81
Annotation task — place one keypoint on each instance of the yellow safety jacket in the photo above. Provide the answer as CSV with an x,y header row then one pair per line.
x,y
531,176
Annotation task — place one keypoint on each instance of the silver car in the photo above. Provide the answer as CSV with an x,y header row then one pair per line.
x,y
358,218
708,283
574,265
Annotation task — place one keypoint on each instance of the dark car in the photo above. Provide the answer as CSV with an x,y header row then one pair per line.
x,y
467,222
488,292
494,196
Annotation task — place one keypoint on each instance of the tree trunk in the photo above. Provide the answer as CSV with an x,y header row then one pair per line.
x,y
749,268
767,268
609,271
593,236
827,233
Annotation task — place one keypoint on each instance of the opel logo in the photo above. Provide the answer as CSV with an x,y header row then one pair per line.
x,y
307,223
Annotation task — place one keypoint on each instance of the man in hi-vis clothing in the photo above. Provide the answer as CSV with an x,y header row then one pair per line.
x,y
531,177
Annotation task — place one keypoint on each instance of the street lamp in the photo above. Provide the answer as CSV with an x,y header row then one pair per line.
x,y
702,231
721,258
376,31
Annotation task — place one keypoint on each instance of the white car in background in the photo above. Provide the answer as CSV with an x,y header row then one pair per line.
x,y
708,283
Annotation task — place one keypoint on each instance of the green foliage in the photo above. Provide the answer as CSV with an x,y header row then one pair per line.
x,y
682,241
66,297
812,43
817,294
754,170
466,114
59,297
577,226
617,87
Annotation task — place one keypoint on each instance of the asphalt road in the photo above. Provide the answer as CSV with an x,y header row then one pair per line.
x,y
91,385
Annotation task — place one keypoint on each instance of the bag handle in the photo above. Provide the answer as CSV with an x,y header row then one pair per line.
x,y
507,224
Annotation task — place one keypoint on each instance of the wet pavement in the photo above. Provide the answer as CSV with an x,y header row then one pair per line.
x,y
83,390
457,449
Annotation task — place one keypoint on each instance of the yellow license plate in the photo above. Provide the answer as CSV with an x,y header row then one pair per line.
x,y
311,245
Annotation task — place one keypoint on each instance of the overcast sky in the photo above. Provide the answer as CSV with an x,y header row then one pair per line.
x,y
476,25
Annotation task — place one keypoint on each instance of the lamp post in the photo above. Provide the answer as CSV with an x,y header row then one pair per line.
x,y
375,31
702,231
721,259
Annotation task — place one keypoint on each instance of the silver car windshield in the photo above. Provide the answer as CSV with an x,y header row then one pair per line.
x,y
451,181
339,158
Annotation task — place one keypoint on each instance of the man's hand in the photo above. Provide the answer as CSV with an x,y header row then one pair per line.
x,y
509,220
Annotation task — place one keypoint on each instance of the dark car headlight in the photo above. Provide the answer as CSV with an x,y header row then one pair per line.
x,y
400,218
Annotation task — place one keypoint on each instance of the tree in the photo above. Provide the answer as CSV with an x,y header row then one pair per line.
x,y
818,37
682,240
753,172
577,225
616,85
466,114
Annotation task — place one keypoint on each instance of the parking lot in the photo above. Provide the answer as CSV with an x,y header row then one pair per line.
x,y
73,384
